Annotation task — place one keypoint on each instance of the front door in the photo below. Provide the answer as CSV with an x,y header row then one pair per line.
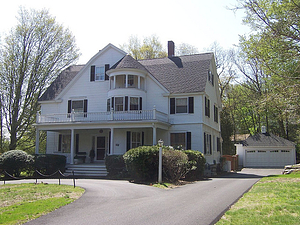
x,y
100,148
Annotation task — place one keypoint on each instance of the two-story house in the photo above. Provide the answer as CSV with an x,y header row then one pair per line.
x,y
115,103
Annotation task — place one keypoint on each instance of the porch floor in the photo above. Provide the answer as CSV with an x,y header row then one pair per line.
x,y
96,169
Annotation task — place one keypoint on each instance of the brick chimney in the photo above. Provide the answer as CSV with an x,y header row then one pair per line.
x,y
171,49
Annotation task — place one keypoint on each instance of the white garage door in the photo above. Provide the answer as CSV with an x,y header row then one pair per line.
x,y
267,158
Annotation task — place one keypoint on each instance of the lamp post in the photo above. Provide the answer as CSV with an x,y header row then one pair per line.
x,y
160,144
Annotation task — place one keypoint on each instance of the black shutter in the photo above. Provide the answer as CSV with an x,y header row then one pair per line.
x,y
188,140
77,143
210,147
172,105
191,104
141,103
69,108
126,103
128,140
208,107
143,138
204,143
85,105
113,102
92,73
59,142
106,68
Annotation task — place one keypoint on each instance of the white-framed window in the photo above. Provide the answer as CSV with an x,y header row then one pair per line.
x,y
207,144
134,103
77,106
177,140
136,139
100,73
210,77
119,103
181,105
216,114
64,143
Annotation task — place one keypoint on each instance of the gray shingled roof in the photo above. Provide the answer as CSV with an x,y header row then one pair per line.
x,y
62,80
128,62
184,74
266,140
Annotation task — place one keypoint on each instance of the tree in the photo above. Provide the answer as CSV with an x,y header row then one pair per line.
x,y
149,48
186,49
32,55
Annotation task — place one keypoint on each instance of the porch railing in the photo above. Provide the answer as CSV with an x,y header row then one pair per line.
x,y
133,115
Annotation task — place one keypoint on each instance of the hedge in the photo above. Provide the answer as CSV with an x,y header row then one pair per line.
x,y
50,163
115,166
196,164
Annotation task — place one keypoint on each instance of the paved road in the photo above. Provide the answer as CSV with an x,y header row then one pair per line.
x,y
120,202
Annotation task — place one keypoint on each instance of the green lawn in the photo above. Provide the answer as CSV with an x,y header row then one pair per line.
x,y
273,200
20,203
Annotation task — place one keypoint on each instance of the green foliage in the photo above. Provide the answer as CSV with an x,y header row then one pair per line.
x,y
48,163
142,162
196,164
115,166
227,130
16,161
175,164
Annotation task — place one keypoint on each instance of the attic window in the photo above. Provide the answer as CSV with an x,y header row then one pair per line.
x,y
100,73
210,77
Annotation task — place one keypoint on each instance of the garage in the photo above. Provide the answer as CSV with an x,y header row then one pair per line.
x,y
266,150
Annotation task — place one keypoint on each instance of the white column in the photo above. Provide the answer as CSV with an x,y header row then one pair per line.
x,y
154,135
139,82
72,146
111,141
115,78
126,80
37,141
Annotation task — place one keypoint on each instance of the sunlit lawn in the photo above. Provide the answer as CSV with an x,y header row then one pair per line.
x,y
273,200
20,203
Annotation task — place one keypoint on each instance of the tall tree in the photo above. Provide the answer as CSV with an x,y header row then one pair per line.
x,y
186,49
148,48
32,55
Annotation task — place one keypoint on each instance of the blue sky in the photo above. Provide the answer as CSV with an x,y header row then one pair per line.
x,y
97,23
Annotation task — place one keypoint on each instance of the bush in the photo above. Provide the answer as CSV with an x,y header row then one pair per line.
x,y
115,166
142,163
16,161
175,164
48,164
196,164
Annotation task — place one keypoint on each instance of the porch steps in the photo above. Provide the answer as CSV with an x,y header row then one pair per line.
x,y
86,170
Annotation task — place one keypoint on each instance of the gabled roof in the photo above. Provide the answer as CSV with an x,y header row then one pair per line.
x,y
266,140
62,80
184,74
127,62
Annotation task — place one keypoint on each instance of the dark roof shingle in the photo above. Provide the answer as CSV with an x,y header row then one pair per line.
x,y
266,139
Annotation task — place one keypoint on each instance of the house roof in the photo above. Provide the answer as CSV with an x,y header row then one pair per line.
x,y
62,80
266,139
127,62
184,74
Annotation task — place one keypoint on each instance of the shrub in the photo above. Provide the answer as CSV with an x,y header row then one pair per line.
x,y
175,164
50,163
142,163
115,166
16,161
196,164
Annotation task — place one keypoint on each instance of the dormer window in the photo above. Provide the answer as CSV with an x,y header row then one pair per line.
x,y
100,73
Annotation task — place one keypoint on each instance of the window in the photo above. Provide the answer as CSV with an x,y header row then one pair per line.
x,y
207,144
108,105
207,107
119,104
178,140
216,114
218,144
136,139
64,143
210,77
134,103
79,107
100,73
182,105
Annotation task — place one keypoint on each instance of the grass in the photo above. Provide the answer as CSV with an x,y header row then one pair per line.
x,y
20,203
273,200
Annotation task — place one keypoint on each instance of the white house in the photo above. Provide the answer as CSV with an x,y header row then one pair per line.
x,y
266,150
115,103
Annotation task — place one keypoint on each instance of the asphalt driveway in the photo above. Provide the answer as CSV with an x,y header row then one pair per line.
x,y
121,202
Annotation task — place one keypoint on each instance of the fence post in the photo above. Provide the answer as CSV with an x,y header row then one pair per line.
x,y
73,178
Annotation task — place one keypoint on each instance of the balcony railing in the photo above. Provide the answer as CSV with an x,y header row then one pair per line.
x,y
135,115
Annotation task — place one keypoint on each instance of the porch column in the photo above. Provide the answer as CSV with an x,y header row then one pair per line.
x,y
126,80
154,135
37,141
72,146
111,141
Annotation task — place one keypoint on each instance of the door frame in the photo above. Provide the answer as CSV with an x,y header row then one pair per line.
x,y
96,147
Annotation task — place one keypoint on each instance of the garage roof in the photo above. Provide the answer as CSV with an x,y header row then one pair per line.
x,y
266,139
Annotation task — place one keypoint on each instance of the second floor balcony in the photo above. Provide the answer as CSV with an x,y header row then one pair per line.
x,y
92,117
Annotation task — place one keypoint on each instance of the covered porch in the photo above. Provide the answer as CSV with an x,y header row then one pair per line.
x,y
77,140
